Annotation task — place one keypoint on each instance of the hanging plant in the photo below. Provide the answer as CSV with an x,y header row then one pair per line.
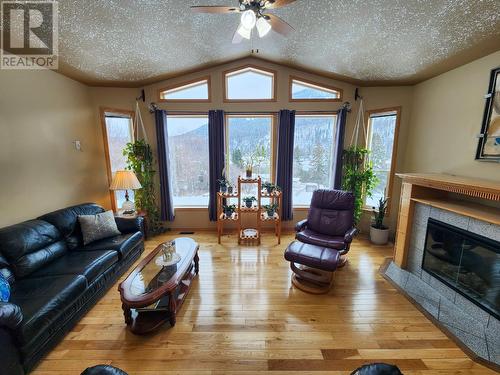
x,y
140,161
358,177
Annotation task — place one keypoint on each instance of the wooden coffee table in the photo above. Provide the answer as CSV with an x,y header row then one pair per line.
x,y
153,293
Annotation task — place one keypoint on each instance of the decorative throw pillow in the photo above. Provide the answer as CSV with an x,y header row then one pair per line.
x,y
4,289
97,227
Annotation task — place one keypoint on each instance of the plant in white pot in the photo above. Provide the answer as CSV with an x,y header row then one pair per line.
x,y
379,233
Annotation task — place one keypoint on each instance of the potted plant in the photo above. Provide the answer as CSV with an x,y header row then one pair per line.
x,y
230,189
229,210
248,169
223,184
379,233
270,209
358,177
249,201
270,187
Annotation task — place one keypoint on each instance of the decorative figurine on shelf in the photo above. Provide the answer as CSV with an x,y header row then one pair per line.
x,y
223,184
249,201
168,249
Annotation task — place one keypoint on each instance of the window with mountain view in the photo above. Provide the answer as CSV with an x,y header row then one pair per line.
x,y
249,140
249,84
193,91
312,156
382,131
118,131
304,90
188,153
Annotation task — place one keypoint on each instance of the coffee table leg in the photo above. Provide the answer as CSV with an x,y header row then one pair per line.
x,y
172,306
196,263
127,313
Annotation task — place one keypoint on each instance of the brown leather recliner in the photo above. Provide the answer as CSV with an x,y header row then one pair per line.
x,y
330,221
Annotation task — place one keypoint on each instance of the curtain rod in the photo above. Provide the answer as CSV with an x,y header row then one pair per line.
x,y
179,112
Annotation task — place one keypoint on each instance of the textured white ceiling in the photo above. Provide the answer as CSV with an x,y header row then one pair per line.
x,y
371,40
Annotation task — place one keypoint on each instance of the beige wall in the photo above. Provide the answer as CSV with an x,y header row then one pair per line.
x,y
446,118
375,98
41,114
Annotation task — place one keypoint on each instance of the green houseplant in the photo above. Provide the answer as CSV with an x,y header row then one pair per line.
x,y
270,209
358,177
140,161
229,210
379,233
270,187
249,201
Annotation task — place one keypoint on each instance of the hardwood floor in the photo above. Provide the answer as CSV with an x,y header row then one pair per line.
x,y
243,317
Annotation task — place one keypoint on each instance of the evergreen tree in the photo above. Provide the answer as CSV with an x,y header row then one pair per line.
x,y
318,164
237,157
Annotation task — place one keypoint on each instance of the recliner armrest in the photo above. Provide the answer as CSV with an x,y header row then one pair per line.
x,y
301,225
130,225
350,235
11,315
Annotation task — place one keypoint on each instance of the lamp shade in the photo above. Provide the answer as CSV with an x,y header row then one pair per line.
x,y
125,180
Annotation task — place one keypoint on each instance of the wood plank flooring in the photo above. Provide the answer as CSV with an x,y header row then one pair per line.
x,y
242,317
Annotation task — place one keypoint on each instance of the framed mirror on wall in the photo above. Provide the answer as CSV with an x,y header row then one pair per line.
x,y
489,139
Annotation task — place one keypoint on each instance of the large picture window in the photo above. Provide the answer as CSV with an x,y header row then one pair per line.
x,y
249,139
312,156
188,154
118,130
383,126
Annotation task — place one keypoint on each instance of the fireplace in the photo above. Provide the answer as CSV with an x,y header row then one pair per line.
x,y
466,262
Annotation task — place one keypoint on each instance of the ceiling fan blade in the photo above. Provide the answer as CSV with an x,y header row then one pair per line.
x,y
237,38
214,9
279,25
277,3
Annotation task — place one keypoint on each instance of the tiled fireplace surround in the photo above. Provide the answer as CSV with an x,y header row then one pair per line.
x,y
473,326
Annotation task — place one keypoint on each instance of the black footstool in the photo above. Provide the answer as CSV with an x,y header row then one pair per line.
x,y
316,266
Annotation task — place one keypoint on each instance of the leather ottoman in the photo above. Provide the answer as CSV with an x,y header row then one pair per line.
x,y
316,265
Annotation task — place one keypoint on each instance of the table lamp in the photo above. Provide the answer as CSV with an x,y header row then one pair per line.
x,y
125,180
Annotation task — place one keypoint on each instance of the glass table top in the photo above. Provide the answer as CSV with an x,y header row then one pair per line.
x,y
159,270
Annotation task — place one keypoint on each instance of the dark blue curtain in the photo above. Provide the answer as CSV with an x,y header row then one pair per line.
x,y
166,206
339,148
216,150
284,170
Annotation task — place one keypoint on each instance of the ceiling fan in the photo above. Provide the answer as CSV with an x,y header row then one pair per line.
x,y
253,14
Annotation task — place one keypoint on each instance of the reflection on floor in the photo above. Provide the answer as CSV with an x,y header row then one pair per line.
x,y
243,317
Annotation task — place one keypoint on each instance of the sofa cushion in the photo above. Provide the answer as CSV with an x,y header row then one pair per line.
x,y
66,220
318,239
43,300
98,226
90,264
331,212
31,245
123,244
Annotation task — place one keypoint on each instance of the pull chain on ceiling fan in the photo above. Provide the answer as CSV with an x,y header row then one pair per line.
x,y
253,15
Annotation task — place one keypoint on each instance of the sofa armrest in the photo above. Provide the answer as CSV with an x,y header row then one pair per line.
x,y
130,225
301,225
350,235
11,315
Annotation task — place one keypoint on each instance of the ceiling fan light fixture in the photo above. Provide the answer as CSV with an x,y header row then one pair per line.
x,y
244,32
248,19
263,27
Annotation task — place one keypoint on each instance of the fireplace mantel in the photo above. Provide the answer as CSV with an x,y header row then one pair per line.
x,y
442,190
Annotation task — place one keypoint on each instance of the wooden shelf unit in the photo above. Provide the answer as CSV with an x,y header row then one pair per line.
x,y
242,210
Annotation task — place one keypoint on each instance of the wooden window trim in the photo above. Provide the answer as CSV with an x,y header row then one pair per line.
x,y
313,83
187,83
390,180
274,135
270,72
102,115
314,114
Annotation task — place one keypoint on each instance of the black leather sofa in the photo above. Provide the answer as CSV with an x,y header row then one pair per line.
x,y
55,280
